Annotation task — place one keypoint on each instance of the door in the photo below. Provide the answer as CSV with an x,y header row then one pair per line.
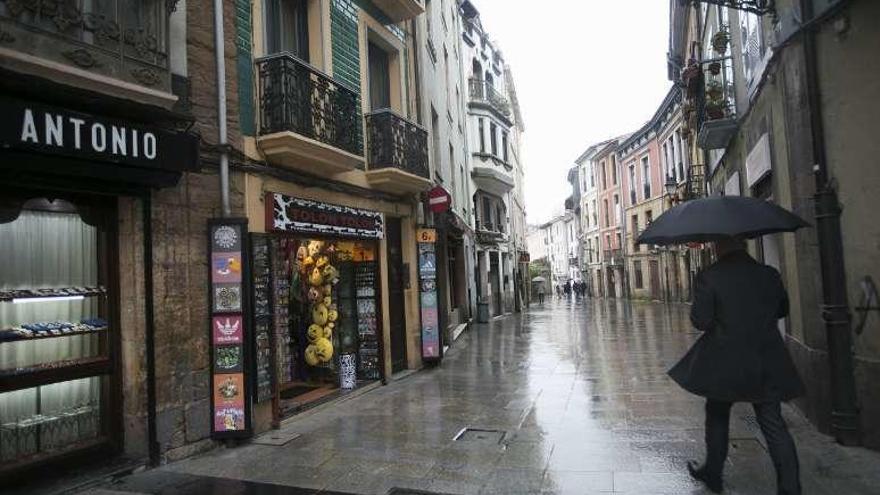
x,y
380,81
495,283
655,279
396,284
287,27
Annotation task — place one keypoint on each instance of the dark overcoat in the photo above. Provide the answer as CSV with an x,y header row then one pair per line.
x,y
741,356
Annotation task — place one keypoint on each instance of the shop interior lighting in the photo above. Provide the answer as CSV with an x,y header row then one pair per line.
x,y
21,300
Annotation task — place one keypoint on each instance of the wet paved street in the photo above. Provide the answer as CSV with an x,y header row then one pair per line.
x,y
580,393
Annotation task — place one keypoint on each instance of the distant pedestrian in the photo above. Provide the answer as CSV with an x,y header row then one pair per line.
x,y
567,288
741,357
540,290
558,290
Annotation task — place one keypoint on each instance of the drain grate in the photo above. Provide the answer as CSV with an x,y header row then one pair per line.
x,y
276,438
480,435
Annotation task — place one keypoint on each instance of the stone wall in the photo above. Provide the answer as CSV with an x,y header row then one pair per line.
x,y
202,70
180,279
180,297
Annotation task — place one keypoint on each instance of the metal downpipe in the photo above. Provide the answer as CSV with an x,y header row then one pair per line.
x,y
220,61
845,422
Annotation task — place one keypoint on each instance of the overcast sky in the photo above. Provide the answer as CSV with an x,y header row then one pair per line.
x,y
585,70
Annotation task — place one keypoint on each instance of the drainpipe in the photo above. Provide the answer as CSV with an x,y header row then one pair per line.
x,y
220,60
835,304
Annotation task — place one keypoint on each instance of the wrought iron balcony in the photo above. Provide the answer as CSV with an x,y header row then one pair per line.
x,y
126,40
482,91
613,256
308,120
397,153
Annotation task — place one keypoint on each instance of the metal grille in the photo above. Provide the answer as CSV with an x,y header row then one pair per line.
x,y
394,142
296,97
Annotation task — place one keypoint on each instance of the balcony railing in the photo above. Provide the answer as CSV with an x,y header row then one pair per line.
x,y
613,256
482,90
695,187
394,142
296,97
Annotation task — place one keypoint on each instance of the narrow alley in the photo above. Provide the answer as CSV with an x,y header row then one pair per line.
x,y
570,397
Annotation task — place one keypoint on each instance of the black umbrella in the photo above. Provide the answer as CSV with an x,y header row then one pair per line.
x,y
720,217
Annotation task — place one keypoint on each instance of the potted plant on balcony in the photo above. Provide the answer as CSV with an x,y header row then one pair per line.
x,y
720,40
714,90
715,68
716,109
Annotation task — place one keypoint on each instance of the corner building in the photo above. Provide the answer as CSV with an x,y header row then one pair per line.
x,y
494,129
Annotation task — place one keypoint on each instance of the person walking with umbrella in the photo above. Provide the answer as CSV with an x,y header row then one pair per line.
x,y
741,356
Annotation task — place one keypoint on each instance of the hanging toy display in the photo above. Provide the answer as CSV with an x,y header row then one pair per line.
x,y
315,266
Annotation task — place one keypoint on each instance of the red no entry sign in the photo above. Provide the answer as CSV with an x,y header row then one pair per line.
x,y
439,199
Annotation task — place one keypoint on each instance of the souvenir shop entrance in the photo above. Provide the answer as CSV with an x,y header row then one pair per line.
x,y
316,304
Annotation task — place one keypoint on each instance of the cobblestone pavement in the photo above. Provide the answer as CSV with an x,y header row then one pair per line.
x,y
580,393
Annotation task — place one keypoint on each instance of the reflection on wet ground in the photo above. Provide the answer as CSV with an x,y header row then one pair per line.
x,y
578,390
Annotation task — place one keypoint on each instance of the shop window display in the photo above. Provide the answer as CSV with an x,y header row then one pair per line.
x,y
324,302
54,333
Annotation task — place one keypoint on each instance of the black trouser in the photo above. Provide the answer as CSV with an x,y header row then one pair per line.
x,y
779,441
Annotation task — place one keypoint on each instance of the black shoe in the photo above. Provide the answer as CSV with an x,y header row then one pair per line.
x,y
713,483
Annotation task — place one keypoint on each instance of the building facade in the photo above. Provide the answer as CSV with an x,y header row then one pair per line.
x,y
777,115
591,252
494,129
653,171
444,106
606,163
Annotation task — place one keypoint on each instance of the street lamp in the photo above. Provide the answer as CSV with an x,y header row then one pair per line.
x,y
670,185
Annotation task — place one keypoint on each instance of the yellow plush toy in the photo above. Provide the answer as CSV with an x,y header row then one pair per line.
x,y
315,332
322,262
332,315
324,349
316,279
319,315
312,355
327,301
328,331
330,273
328,289
315,247
307,262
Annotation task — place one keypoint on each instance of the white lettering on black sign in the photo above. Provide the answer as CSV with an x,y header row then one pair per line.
x,y
57,129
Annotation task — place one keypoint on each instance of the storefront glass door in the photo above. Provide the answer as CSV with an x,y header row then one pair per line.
x,y
55,334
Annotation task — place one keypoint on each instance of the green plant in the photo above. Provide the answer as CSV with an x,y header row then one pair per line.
x,y
720,40
716,109
714,90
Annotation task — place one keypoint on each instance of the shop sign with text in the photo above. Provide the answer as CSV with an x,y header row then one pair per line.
x,y
50,130
289,214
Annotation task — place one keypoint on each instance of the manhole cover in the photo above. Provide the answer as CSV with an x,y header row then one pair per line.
x,y
276,438
480,435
